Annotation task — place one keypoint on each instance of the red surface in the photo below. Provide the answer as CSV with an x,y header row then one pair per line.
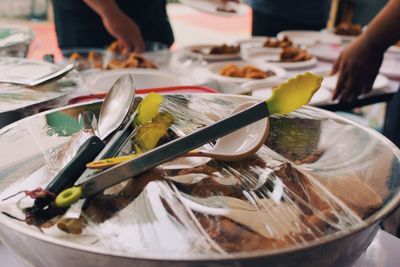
x,y
175,89
44,42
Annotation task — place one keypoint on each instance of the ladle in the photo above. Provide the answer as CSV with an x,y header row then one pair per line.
x,y
114,109
235,146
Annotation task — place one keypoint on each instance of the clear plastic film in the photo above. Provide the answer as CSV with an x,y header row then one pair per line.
x,y
317,176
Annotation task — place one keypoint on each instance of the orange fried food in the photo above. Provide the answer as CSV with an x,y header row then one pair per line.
x,y
133,61
248,71
119,60
252,72
75,56
277,43
231,70
95,60
294,54
115,47
115,64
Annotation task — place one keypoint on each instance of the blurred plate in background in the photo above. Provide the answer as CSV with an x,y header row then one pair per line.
x,y
215,68
309,38
274,59
326,52
202,51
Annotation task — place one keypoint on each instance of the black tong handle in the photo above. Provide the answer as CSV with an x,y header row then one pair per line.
x,y
73,170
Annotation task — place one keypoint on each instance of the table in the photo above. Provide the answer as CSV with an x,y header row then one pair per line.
x,y
383,252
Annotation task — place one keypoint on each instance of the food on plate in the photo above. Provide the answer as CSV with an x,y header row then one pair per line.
x,y
349,29
250,72
397,44
218,50
115,59
134,60
278,43
294,54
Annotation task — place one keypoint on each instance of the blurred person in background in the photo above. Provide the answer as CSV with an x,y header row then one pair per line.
x,y
97,23
273,16
359,63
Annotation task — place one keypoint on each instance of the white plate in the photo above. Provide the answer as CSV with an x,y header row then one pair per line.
x,y
101,81
391,68
273,59
326,52
329,82
344,38
214,69
210,6
206,47
309,38
264,92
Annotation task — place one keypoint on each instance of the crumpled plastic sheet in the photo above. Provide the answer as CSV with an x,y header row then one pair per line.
x,y
316,176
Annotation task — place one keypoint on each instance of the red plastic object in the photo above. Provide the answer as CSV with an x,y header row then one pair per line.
x,y
174,89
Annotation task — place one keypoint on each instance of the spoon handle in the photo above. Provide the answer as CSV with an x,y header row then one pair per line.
x,y
111,162
70,173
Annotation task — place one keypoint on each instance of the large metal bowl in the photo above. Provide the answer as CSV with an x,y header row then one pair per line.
x,y
349,149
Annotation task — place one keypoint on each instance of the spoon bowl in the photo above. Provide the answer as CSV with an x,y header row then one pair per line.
x,y
116,105
239,144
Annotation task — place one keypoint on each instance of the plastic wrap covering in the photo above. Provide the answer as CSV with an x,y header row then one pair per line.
x,y
317,178
18,101
14,41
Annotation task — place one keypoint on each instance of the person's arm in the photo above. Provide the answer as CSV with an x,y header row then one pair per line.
x,y
359,63
118,24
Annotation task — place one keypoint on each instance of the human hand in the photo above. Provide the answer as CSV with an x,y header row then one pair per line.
x,y
358,66
125,30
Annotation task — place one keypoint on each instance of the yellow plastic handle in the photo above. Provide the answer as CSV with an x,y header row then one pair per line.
x,y
294,93
107,163
68,197
110,162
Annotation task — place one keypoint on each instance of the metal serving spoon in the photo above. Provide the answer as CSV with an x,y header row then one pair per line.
x,y
114,109
235,146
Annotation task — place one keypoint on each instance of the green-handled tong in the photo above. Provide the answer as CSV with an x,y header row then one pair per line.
x,y
285,98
